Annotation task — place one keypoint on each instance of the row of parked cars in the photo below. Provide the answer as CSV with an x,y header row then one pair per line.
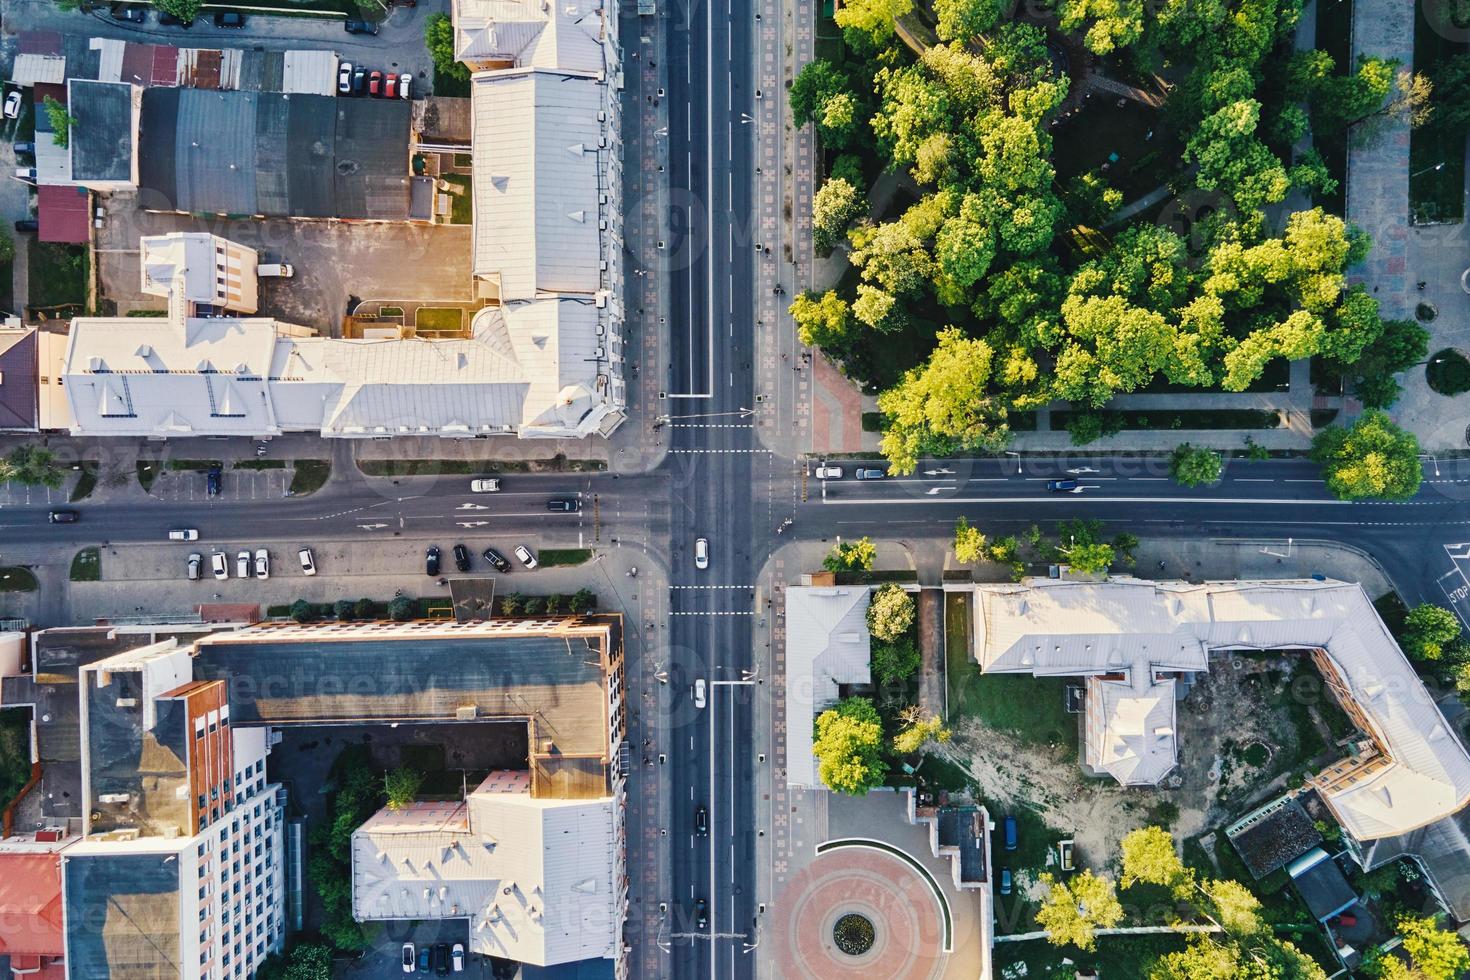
x,y
463,562
441,959
219,563
131,14
353,80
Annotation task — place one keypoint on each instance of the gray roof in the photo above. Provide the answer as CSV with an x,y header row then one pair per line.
x,y
122,916
101,137
19,378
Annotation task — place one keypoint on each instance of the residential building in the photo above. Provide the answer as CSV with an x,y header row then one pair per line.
x,y
206,273
99,150
32,924
31,395
827,645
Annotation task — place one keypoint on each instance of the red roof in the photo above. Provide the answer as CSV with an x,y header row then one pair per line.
x,y
62,213
30,904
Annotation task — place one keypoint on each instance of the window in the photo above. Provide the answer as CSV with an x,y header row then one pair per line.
x,y
202,848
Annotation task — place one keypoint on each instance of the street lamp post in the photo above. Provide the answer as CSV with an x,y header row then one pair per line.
x,y
1437,166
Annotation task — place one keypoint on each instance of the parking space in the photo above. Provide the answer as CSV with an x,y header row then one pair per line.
x,y
235,484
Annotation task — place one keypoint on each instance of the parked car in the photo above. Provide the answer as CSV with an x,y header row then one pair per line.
x,y
1005,881
461,558
359,80
456,957
63,517
825,472
1010,833
375,83
27,174
212,481
166,19
130,15
496,559
564,505
485,485
870,474
262,563
308,563
242,565
424,959
431,560
359,27
701,553
701,821
390,86
404,81
220,565
12,105
184,534
1063,486
441,959
408,957
344,78
523,554
699,692
27,224
701,914
229,18
25,147
195,561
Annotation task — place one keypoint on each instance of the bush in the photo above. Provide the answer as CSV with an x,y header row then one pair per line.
x,y
554,602
1448,372
890,612
343,610
510,605
534,605
582,600
894,660
1088,427
400,610
303,611
367,609
1192,466
401,785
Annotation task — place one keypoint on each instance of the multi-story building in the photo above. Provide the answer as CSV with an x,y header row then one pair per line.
x,y
203,273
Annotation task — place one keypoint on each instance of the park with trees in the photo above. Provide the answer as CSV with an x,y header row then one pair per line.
x,y
1018,233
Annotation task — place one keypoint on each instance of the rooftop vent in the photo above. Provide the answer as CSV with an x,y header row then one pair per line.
x,y
144,350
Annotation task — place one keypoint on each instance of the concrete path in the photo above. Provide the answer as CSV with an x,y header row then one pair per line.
x,y
930,616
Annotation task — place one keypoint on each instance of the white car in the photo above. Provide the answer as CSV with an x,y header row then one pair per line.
x,y
408,957
184,534
486,485
701,553
525,556
262,563
404,81
220,565
456,957
308,564
195,560
699,693
825,472
12,104
1078,471
344,78
242,565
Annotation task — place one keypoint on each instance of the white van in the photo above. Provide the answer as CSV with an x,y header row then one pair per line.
x,y
277,270
184,534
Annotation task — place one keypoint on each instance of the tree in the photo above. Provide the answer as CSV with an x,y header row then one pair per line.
x,y
306,961
1429,630
1192,466
918,731
1400,345
1436,953
400,609
1234,160
510,605
1090,559
964,20
1074,909
7,245
1115,23
344,610
1149,857
581,601
303,611
847,743
873,18
821,321
944,406
32,465
851,556
969,543
401,785
439,39
1204,958
534,605
366,609
184,10
1372,459
894,660
890,612
554,602
61,121
816,83
835,206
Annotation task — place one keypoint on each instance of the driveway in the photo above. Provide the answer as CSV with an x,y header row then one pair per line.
x,y
396,262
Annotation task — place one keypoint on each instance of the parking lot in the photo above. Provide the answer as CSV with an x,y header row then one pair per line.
x,y
335,262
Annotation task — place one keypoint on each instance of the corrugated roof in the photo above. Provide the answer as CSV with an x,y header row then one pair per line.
x,y
309,72
32,68
1133,739
827,644
63,214
568,35
30,902
19,378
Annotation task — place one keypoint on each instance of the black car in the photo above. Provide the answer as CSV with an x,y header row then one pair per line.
x,y
63,517
431,560
564,505
701,915
701,822
130,15
441,959
28,149
1062,486
496,559
461,558
27,224
229,18
359,27
359,81
166,19
213,481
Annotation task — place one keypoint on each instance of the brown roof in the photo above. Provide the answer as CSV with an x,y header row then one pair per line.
x,y
30,904
19,379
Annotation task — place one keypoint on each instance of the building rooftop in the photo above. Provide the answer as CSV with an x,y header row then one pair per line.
x,y
1279,832
1130,731
19,378
567,36
63,214
101,136
122,911
1321,884
30,899
827,644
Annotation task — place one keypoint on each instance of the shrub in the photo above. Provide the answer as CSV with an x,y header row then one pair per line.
x,y
400,610
303,611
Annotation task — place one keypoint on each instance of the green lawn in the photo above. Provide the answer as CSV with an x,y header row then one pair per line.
x,y
86,483
259,464
438,318
195,465
549,557
310,475
958,665
86,565
1184,418
58,277
462,204
15,752
14,578
1115,956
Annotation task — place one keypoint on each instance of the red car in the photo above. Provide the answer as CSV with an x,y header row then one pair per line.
x,y
375,83
391,91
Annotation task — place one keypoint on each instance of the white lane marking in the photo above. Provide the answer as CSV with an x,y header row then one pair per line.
x,y
1253,479
1065,498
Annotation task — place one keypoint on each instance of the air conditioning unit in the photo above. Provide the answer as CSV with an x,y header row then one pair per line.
x,y
601,301
601,116
599,352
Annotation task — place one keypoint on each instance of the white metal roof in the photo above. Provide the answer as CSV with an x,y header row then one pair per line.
x,y
827,644
1134,738
309,72
537,168
535,878
567,35
30,69
1054,627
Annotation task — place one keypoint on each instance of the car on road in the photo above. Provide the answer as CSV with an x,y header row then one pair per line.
x,y
701,915
456,957
27,224
496,559
184,534
1005,881
441,959
359,27
524,556
262,563
564,505
242,565
63,517
701,553
825,472
130,15
229,18
485,485
359,80
1079,470
424,955
870,474
12,103
699,692
431,560
701,821
196,560
344,78
212,481
404,81
220,565
308,562
375,83
1012,842
1063,486
461,558
408,957
166,19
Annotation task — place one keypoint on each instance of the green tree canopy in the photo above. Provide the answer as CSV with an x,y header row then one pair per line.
x,y
965,20
401,785
1073,910
848,743
33,465
969,543
821,321
943,406
890,612
1372,459
1149,857
894,660
1429,630
304,961
851,556
439,39
918,731
1193,466
184,10
873,18
60,120
1111,24
835,206
1435,953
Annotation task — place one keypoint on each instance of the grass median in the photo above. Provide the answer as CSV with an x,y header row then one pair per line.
x,y
86,565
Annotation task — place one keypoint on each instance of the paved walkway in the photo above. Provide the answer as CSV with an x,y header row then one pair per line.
x,y
930,616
